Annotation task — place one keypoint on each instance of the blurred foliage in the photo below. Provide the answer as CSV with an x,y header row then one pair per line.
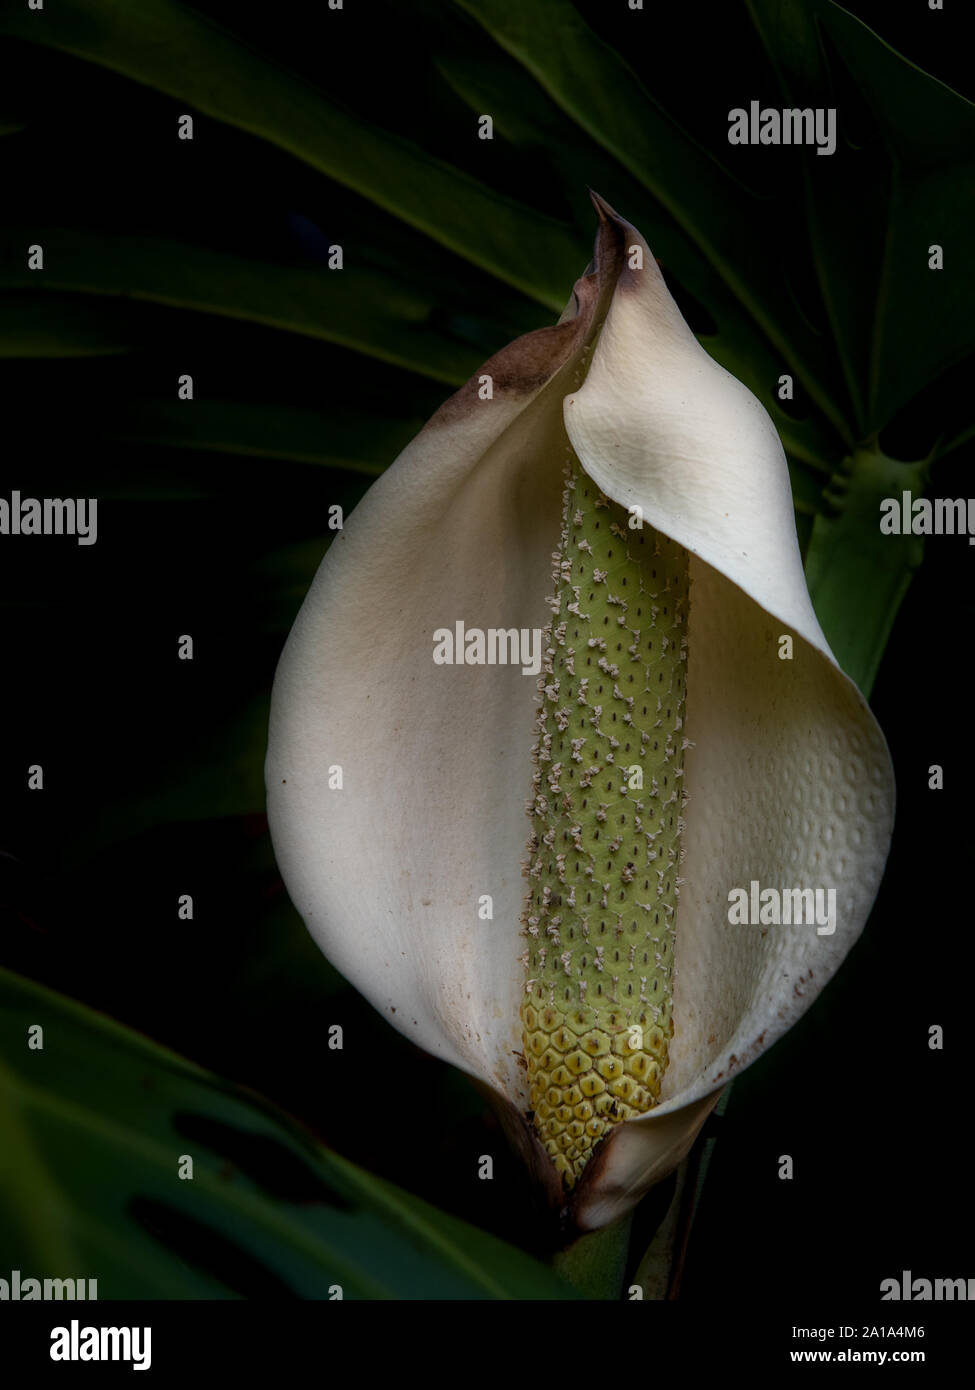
x,y
788,263
98,1122
209,257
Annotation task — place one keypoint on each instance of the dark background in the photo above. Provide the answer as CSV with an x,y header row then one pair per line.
x,y
153,778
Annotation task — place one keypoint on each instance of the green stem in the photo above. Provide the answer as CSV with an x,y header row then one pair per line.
x,y
595,1264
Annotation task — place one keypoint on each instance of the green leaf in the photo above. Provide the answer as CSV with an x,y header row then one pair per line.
x,y
285,575
96,1125
902,178
60,326
362,309
848,554
842,191
338,438
178,51
214,772
924,318
956,441
728,225
806,489
876,205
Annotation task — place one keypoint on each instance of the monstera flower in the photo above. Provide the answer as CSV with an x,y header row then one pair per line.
x,y
579,591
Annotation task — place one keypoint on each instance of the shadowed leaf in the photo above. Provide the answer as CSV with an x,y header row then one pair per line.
x,y
97,1124
179,51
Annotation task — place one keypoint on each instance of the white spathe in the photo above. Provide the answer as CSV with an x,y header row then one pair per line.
x,y
789,779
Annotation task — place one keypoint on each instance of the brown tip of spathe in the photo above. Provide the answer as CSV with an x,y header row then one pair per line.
x,y
608,216
524,366
603,209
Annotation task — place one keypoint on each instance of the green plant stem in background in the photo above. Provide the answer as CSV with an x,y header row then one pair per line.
x,y
595,1264
655,1272
858,576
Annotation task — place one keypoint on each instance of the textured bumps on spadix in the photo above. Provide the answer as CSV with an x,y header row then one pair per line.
x,y
606,808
